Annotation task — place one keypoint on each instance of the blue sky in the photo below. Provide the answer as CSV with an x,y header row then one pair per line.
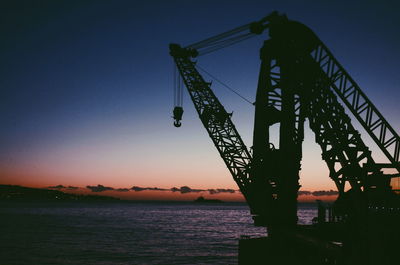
x,y
87,85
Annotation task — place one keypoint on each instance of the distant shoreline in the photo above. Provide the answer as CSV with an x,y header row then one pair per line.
x,y
16,193
20,194
201,199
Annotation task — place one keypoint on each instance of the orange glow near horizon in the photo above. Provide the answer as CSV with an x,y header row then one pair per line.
x,y
167,194
194,162
124,161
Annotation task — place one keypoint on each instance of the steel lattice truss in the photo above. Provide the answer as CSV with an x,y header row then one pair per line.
x,y
358,103
298,80
341,144
218,124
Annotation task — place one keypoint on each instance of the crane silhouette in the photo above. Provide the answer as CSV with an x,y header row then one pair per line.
x,y
299,79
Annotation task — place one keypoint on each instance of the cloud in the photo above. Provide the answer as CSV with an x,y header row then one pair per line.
x,y
185,189
325,193
122,190
99,188
174,189
136,188
318,193
58,187
304,192
212,191
159,189
216,191
182,190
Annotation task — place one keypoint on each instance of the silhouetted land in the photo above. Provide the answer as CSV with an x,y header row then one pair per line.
x,y
201,199
12,193
15,193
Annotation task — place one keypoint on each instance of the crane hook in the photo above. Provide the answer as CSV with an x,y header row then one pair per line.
x,y
178,112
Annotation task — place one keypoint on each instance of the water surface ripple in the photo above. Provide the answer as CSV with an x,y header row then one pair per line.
x,y
126,233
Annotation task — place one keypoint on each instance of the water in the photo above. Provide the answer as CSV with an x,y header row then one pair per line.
x,y
126,233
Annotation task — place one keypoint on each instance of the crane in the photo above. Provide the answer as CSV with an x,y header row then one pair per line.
x,y
299,79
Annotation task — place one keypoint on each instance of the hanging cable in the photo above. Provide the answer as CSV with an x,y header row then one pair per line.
x,y
178,98
232,39
174,84
178,88
225,85
218,37
208,45
180,91
227,43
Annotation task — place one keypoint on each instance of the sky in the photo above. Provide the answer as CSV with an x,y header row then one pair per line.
x,y
87,87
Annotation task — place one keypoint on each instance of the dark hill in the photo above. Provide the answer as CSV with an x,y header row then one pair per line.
x,y
19,193
204,200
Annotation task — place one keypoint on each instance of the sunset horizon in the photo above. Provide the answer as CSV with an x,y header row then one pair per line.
x,y
199,132
180,193
87,109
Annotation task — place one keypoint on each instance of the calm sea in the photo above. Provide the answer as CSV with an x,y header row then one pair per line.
x,y
126,233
